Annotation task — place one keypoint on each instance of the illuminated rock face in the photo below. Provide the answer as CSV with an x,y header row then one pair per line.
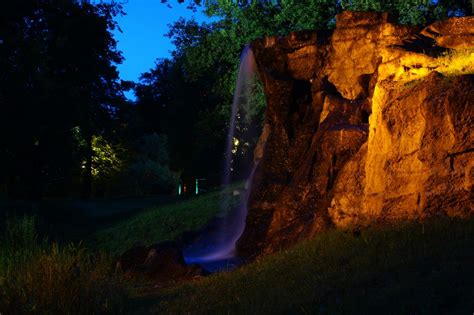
x,y
368,123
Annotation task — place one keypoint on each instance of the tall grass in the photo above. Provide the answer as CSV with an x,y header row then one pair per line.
x,y
457,62
44,278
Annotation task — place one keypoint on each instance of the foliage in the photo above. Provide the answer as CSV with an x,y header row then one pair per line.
x,y
41,278
301,13
58,74
148,176
149,173
413,12
339,272
105,159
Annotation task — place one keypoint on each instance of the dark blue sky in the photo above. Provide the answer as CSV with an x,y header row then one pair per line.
x,y
142,40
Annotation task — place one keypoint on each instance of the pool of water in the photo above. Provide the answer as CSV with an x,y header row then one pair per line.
x,y
212,266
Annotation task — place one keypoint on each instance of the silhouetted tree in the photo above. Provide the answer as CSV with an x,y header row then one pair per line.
x,y
58,88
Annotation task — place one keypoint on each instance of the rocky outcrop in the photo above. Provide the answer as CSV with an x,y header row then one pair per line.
x,y
372,122
419,158
454,33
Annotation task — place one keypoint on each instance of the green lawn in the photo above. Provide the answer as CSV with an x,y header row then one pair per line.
x,y
409,268
162,223
73,220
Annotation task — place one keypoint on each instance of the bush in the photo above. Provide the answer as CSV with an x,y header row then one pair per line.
x,y
149,177
38,277
150,173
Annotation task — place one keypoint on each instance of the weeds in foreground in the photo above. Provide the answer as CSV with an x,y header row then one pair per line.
x,y
40,277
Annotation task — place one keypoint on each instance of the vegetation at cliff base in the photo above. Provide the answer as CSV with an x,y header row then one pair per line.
x,y
411,267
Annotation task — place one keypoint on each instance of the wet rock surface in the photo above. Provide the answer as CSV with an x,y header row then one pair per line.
x,y
361,127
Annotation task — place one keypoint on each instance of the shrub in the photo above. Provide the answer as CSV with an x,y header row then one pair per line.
x,y
148,177
149,173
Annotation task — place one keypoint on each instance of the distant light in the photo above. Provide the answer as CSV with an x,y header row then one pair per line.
x,y
1,41
197,186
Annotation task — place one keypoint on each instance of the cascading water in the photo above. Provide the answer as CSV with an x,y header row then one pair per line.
x,y
217,249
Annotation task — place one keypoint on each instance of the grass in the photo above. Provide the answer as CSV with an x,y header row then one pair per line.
x,y
73,220
411,267
406,268
41,277
457,62
162,223
44,278
411,68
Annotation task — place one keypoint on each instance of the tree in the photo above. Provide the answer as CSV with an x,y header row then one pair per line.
x,y
408,11
149,173
58,75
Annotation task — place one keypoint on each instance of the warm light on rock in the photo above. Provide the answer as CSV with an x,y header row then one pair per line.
x,y
370,123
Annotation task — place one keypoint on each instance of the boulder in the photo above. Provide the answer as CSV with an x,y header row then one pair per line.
x,y
162,263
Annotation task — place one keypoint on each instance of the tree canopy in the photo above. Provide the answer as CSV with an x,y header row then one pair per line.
x,y
63,115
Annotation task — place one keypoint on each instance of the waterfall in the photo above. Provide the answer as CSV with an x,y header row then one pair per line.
x,y
242,99
219,247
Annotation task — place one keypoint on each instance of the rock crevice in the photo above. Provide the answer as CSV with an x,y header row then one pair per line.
x,y
372,122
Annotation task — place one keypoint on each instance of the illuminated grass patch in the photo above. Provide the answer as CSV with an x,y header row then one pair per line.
x,y
162,223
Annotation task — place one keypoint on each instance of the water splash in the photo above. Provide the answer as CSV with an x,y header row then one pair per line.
x,y
217,250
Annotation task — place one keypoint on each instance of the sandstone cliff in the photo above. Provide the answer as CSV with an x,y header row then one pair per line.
x,y
371,122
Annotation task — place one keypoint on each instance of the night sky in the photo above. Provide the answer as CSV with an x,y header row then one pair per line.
x,y
142,40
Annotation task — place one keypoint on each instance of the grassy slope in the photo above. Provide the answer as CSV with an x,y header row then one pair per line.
x,y
408,268
161,223
73,220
